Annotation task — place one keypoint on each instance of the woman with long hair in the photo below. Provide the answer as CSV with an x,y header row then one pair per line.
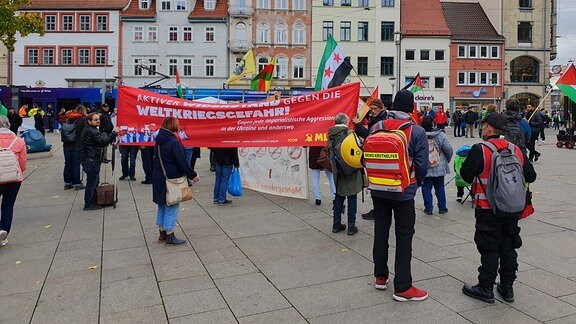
x,y
169,149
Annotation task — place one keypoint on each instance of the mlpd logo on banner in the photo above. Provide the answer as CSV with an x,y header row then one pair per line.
x,y
316,137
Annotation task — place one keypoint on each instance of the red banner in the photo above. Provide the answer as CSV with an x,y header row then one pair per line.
x,y
296,121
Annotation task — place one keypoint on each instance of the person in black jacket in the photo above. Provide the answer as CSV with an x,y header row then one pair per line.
x,y
170,150
535,120
50,117
93,143
14,119
73,150
225,159
378,112
39,121
106,125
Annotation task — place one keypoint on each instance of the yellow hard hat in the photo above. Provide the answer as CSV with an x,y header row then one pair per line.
x,y
351,151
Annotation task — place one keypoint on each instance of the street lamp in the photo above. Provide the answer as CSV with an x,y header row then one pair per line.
x,y
494,83
392,83
398,41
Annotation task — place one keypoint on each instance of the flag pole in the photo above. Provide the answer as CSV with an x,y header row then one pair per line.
x,y
362,81
541,101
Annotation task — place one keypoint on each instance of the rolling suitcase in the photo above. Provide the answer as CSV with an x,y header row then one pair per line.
x,y
106,193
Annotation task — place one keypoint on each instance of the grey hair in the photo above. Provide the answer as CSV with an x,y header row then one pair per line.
x,y
4,123
341,119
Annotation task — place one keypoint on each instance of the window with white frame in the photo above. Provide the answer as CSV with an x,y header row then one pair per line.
x,y
84,56
483,78
298,4
299,31
173,33
240,32
387,3
472,78
172,66
424,55
345,30
327,29
209,34
262,62
483,51
138,34
144,4
67,23
84,23
181,5
439,83
166,5
462,51
209,66
32,56
50,23
187,33
66,56
137,67
494,52
100,56
152,34
281,4
102,23
48,56
345,3
282,67
461,78
494,76
187,66
152,66
363,3
472,52
263,33
362,31
281,33
298,68
209,4
439,55
263,4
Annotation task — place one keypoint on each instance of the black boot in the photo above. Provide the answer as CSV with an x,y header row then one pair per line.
x,y
506,291
369,215
162,236
480,293
352,229
171,239
339,227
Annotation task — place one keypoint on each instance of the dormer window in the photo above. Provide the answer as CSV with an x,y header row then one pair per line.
x,y
144,4
209,4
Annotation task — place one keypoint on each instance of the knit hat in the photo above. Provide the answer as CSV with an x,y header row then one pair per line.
x,y
403,101
497,121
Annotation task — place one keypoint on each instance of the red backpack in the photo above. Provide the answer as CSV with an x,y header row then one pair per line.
x,y
388,165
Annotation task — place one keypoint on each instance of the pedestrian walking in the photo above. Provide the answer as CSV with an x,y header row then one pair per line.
x,y
535,120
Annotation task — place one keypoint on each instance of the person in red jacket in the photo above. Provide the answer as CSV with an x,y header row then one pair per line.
x,y
440,119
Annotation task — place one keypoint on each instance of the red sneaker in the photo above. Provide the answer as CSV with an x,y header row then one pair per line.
x,y
412,293
380,283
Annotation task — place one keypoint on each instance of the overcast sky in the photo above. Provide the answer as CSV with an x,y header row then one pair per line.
x,y
566,31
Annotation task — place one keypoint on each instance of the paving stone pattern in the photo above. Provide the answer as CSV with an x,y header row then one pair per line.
x,y
267,259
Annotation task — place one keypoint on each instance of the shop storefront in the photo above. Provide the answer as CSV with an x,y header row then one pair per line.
x,y
473,98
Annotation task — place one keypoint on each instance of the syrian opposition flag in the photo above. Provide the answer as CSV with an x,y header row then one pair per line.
x,y
415,85
179,85
334,66
567,83
262,80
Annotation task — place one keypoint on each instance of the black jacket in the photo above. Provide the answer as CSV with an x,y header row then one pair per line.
x,y
362,131
474,165
15,122
226,156
93,143
106,125
536,121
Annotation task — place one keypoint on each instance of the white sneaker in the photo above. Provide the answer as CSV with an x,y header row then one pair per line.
x,y
3,235
543,142
4,242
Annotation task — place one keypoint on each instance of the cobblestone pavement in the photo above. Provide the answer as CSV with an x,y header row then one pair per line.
x,y
267,259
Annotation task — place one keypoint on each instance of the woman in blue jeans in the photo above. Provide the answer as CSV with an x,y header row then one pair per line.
x,y
439,155
169,149
225,160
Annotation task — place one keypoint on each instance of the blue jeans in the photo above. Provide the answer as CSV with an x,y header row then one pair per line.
x,y
316,183
92,170
8,191
223,173
166,216
72,158
188,151
352,207
128,153
438,184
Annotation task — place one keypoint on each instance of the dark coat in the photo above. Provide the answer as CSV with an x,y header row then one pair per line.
x,y
174,161
106,125
80,124
362,131
313,156
15,122
346,185
94,142
226,156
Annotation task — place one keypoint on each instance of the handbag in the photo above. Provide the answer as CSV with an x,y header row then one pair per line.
x,y
177,189
529,209
235,184
324,159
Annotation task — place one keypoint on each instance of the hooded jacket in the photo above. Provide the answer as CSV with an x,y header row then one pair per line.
x,y
445,149
174,159
346,185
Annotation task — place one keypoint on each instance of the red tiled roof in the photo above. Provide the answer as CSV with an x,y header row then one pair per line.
x,y
468,21
221,10
75,5
423,18
134,11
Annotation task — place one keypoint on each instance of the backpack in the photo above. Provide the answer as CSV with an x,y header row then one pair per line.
x,y
386,156
433,154
337,156
9,167
506,188
515,134
68,133
459,158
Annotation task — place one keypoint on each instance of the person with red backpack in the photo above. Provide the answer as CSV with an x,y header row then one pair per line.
x,y
499,197
393,177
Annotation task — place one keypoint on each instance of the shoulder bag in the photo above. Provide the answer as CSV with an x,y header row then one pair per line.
x,y
177,189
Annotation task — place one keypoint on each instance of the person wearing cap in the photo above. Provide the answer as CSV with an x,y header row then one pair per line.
x,y
378,112
401,206
496,238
